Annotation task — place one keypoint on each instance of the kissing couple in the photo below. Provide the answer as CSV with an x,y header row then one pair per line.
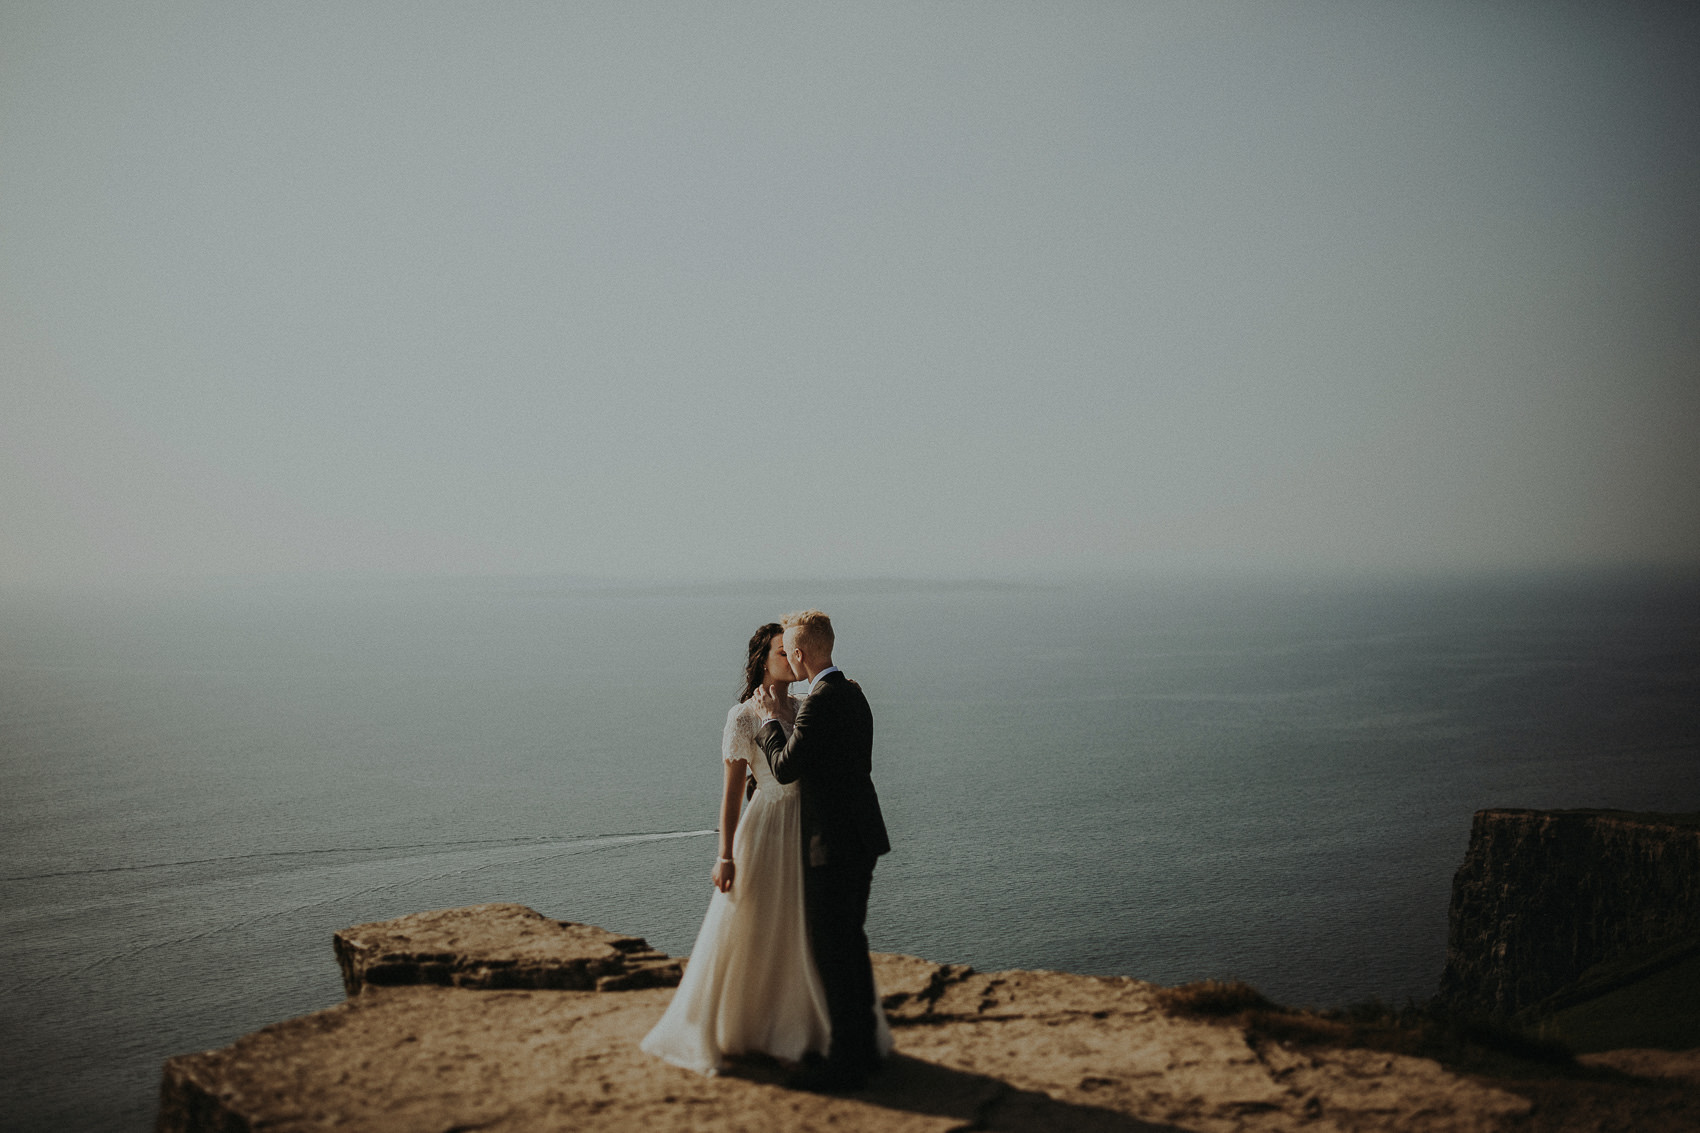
x,y
781,966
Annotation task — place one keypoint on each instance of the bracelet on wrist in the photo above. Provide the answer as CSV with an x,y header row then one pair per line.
x,y
725,861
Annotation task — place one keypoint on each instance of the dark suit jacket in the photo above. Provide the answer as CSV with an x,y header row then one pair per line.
x,y
831,752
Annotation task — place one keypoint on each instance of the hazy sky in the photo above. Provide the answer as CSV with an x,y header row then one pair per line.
x,y
717,290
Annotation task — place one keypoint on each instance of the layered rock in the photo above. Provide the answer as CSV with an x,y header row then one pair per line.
x,y
1549,901
497,946
1003,1050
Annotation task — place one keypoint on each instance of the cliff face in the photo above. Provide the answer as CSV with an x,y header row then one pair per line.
x,y
1543,897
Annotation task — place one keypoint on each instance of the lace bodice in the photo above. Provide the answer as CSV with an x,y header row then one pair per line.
x,y
739,742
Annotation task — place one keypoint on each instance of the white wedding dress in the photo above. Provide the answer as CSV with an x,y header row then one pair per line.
x,y
751,984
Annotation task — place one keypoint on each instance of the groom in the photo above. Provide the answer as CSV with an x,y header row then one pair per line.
x,y
831,752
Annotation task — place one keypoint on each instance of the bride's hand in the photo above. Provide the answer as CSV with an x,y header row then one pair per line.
x,y
722,876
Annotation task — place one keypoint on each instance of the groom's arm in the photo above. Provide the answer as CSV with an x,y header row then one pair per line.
x,y
793,758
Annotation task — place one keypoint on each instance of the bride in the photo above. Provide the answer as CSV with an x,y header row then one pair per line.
x,y
751,984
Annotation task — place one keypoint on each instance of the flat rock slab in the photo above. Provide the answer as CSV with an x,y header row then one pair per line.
x,y
998,1051
1098,1053
497,946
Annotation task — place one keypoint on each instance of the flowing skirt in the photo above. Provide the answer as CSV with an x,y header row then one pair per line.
x,y
751,984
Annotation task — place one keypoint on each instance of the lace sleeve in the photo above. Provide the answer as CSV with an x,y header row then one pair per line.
x,y
739,738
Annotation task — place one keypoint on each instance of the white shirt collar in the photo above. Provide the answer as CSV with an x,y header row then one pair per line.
x,y
819,675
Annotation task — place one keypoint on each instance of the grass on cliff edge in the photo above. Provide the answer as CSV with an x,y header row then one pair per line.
x,y
1659,1010
1478,1046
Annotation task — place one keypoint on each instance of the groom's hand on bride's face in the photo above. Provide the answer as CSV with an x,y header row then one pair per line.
x,y
772,708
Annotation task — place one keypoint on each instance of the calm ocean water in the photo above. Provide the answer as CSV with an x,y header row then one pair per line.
x,y
1169,780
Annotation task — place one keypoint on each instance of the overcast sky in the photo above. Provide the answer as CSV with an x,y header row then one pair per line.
x,y
711,290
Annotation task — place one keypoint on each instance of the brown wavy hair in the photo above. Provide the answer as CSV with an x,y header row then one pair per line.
x,y
755,665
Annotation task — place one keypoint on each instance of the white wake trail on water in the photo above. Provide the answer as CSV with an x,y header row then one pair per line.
x,y
449,845
573,847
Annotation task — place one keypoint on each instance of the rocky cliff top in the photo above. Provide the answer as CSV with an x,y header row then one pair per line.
x,y
1664,819
495,1017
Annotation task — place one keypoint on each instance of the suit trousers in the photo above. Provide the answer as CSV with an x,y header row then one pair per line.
x,y
835,899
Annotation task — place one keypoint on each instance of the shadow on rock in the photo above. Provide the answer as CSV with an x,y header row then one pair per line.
x,y
979,1101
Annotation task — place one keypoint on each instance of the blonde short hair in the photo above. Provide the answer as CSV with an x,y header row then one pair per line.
x,y
813,628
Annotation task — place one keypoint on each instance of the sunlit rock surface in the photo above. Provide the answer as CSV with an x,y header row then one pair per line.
x,y
1004,1050
497,946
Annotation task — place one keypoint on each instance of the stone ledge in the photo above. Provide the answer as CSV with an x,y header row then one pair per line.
x,y
495,947
986,1050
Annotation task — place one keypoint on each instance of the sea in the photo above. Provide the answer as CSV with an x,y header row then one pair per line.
x,y
1258,777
